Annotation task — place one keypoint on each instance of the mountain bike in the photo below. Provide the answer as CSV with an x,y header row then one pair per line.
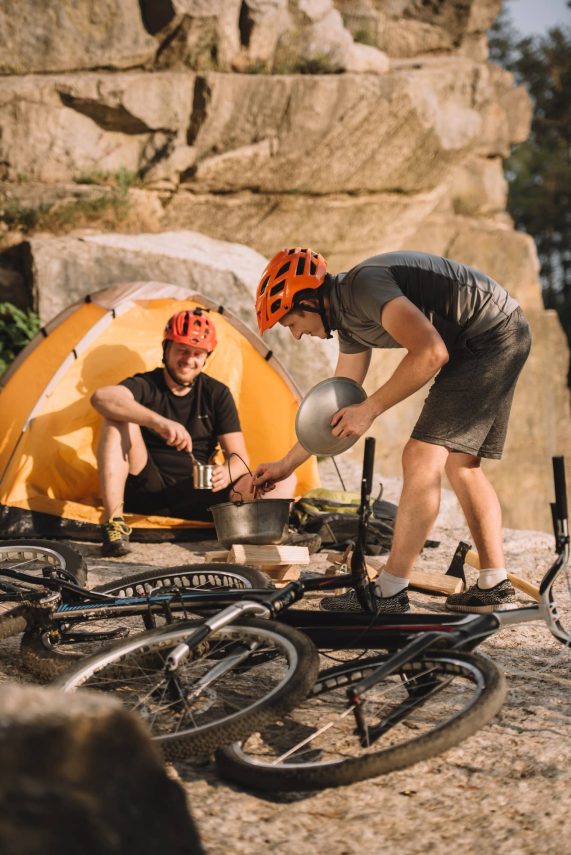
x,y
202,659
439,691
356,723
53,612
43,595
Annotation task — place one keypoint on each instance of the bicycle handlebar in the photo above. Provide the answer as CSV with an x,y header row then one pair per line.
x,y
368,465
560,509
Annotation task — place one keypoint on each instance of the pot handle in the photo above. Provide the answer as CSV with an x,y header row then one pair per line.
x,y
250,473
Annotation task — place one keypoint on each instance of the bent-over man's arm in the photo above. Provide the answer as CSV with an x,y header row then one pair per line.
x,y
426,354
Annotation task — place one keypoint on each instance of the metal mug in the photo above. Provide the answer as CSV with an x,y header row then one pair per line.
x,y
201,474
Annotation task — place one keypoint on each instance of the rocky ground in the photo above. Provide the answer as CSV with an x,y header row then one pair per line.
x,y
504,790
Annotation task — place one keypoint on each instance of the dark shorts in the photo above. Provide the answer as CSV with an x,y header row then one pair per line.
x,y
469,403
148,493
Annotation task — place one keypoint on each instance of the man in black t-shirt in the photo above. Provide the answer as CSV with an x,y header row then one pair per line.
x,y
458,326
155,423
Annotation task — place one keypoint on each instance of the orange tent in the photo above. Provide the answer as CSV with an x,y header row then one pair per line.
x,y
49,431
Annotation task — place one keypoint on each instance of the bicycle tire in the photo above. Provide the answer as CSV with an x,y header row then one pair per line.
x,y
12,623
255,763
270,681
200,576
24,553
47,654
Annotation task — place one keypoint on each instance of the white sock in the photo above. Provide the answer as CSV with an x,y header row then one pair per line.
x,y
387,585
491,577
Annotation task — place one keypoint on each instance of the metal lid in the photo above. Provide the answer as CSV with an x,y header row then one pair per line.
x,y
313,419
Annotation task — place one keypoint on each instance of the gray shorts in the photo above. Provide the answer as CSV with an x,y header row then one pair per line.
x,y
469,403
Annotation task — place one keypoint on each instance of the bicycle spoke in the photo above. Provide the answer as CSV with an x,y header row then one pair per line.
x,y
390,706
224,681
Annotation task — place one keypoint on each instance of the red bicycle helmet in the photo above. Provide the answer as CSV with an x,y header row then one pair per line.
x,y
288,274
193,328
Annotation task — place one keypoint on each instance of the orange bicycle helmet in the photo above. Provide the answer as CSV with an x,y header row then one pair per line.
x,y
288,275
192,328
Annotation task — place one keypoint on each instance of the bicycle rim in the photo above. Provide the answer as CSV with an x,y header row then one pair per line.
x,y
208,702
317,746
34,556
47,654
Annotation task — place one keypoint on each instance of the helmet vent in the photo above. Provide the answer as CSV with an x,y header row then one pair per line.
x,y
277,288
312,268
283,269
275,306
300,266
264,285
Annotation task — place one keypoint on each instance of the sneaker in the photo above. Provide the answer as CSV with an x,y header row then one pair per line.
x,y
482,600
398,604
115,538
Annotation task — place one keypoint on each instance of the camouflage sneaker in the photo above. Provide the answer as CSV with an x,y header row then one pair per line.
x,y
115,538
398,604
482,600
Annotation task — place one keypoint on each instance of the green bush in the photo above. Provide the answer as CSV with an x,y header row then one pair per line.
x,y
17,327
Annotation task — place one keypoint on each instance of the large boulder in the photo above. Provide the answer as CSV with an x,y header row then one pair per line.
x,y
80,774
60,271
66,34
116,122
413,27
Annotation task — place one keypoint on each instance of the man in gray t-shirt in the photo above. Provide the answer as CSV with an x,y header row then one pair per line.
x,y
458,326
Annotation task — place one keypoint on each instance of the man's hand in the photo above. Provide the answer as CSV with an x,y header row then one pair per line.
x,y
220,477
353,421
174,434
267,474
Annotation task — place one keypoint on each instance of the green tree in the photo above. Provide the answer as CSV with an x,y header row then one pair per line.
x,y
539,170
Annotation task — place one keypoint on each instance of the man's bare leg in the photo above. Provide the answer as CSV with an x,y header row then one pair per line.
x,y
483,513
121,451
423,465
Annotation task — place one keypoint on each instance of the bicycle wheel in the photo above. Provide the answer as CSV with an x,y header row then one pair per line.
x,y
241,677
430,705
47,653
197,576
33,556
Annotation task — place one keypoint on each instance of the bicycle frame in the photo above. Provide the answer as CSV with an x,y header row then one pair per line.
x,y
328,630
393,632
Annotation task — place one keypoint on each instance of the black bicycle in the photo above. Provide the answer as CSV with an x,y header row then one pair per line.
x,y
426,695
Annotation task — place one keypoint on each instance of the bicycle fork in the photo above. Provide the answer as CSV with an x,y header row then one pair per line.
x,y
356,694
223,618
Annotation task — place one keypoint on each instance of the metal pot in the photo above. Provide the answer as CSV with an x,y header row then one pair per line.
x,y
258,521
201,474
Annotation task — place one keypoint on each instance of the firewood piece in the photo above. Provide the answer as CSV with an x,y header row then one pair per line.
x,y
421,580
272,554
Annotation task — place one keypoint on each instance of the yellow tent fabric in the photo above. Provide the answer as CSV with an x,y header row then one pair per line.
x,y
49,431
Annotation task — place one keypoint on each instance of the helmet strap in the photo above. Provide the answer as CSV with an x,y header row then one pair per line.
x,y
323,312
320,309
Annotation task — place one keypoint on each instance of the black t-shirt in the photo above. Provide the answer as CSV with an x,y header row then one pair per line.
x,y
207,412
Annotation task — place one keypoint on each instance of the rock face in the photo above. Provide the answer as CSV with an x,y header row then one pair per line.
x,y
80,773
216,131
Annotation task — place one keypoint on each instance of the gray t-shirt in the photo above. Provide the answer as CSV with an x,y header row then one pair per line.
x,y
459,301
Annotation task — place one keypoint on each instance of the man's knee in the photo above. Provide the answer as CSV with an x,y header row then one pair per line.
x,y
122,440
460,465
422,457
